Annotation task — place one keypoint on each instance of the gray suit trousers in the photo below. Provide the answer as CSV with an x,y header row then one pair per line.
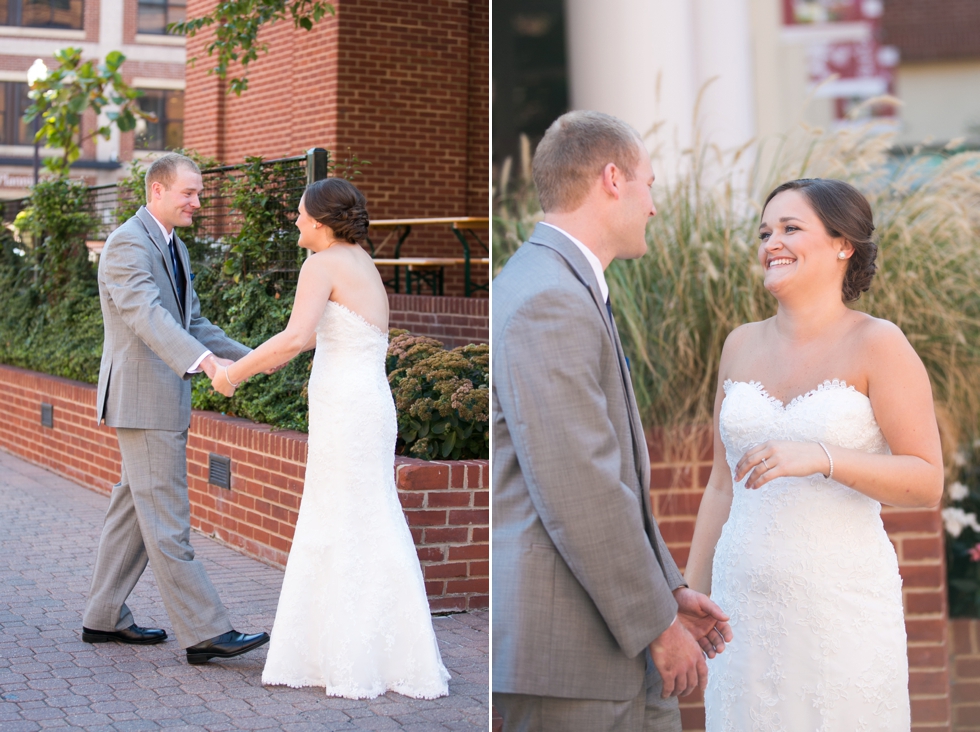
x,y
149,520
646,712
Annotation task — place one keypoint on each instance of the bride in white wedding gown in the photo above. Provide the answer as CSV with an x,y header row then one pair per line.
x,y
353,615
822,414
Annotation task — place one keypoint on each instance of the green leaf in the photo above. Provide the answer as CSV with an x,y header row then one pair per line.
x,y
114,59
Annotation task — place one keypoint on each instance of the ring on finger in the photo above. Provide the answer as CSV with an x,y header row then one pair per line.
x,y
765,463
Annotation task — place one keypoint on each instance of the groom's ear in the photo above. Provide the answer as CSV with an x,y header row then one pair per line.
x,y
612,180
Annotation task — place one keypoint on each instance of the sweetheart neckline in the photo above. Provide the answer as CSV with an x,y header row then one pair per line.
x,y
360,317
826,385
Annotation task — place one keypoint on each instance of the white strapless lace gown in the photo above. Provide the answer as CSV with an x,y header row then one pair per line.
x,y
353,615
810,579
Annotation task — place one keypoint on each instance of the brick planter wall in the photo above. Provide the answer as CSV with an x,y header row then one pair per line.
x,y
405,85
456,321
676,489
964,641
446,503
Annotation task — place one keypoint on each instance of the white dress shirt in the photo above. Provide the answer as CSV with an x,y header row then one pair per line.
x,y
167,237
592,259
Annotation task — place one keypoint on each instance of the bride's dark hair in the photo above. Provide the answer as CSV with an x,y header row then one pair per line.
x,y
336,203
844,212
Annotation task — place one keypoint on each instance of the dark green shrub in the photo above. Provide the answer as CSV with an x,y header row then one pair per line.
x,y
51,320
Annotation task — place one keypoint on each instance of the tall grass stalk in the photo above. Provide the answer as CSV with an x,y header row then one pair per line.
x,y
701,277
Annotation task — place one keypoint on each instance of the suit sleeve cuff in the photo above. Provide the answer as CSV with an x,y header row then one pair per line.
x,y
196,367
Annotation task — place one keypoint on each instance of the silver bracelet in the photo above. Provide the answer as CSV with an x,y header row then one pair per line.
x,y
830,475
240,383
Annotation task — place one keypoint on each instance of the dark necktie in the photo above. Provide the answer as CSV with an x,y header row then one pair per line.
x,y
612,321
178,273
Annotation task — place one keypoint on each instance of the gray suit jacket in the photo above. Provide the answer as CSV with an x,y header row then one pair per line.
x,y
582,579
149,343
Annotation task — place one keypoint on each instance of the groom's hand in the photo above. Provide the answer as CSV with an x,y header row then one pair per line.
x,y
679,660
210,364
707,622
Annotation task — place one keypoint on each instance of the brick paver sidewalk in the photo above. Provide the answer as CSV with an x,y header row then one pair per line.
x,y
49,530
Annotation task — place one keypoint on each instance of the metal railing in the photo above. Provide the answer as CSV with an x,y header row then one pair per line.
x,y
217,220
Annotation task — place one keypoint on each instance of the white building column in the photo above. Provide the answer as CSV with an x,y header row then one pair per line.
x,y
646,61
110,39
632,59
723,34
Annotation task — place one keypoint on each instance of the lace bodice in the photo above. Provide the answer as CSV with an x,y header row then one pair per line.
x,y
806,571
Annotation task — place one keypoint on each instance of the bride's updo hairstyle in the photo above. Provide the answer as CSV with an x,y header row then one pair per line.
x,y
844,212
336,203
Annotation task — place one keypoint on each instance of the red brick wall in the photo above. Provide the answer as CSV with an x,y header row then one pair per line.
x,y
964,641
446,503
402,84
676,489
926,30
456,321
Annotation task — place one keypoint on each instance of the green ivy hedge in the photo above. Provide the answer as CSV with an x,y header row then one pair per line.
x,y
51,320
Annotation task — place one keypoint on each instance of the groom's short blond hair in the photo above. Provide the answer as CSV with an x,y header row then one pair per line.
x,y
164,170
573,153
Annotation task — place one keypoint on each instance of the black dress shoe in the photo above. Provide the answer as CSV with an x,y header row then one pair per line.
x,y
133,634
225,645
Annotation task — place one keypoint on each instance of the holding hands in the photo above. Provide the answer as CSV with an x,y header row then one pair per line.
x,y
704,620
676,652
783,458
221,382
217,370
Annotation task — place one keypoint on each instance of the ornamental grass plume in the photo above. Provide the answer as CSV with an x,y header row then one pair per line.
x,y
701,277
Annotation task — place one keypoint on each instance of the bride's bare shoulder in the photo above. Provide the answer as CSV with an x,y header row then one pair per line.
x,y
877,331
878,338
741,342
745,335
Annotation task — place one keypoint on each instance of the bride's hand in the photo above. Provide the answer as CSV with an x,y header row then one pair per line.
x,y
702,617
781,459
221,383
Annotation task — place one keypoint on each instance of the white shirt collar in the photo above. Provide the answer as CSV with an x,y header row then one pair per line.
x,y
592,259
166,236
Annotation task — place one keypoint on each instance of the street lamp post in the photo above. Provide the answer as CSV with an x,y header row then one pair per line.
x,y
37,151
37,72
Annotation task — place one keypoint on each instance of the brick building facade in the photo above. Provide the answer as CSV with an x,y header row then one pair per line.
x,y
923,30
404,85
155,64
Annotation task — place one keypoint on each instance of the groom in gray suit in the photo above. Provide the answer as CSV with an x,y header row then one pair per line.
x,y
155,338
593,626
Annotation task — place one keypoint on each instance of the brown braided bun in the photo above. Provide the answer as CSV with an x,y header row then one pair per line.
x,y
337,203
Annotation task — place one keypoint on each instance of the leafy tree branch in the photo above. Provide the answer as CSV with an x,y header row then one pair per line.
x,y
236,28
61,97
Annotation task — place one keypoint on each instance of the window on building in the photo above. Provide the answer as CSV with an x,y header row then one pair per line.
x,y
167,133
530,79
156,15
13,102
42,13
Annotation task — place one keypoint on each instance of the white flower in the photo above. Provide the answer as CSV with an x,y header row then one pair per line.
x,y
959,459
956,519
958,491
